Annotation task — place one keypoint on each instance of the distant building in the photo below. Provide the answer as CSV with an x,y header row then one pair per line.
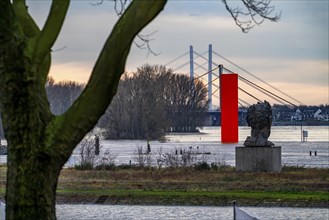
x,y
297,116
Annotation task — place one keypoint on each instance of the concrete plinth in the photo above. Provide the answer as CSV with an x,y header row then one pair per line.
x,y
258,159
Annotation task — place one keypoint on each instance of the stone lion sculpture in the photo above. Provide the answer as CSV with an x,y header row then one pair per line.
x,y
259,118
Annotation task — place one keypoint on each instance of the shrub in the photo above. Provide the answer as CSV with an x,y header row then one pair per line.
x,y
92,155
84,166
142,159
214,166
125,166
202,166
110,166
292,168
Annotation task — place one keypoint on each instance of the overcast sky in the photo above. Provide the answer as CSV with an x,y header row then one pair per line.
x,y
291,54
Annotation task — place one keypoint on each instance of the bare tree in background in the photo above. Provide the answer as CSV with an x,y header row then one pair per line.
x,y
186,103
142,158
89,158
61,95
138,109
87,152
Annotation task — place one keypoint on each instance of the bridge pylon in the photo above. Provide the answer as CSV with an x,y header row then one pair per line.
x,y
210,77
191,63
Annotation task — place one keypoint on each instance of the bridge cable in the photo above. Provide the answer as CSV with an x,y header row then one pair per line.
x,y
215,79
200,66
262,90
249,94
269,95
176,59
276,99
177,68
206,73
255,85
241,100
241,105
246,71
215,91
228,70
201,55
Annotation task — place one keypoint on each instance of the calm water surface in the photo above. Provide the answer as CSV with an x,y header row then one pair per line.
x,y
124,212
294,152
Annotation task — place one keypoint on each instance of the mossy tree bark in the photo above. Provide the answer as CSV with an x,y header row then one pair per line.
x,y
39,143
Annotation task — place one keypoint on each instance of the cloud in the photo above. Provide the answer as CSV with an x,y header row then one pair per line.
x,y
293,51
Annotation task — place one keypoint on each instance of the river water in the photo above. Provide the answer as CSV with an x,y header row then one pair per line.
x,y
207,141
125,212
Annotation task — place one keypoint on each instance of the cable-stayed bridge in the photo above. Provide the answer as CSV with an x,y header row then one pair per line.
x,y
209,65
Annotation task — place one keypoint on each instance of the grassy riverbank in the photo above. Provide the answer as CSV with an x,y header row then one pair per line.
x,y
296,187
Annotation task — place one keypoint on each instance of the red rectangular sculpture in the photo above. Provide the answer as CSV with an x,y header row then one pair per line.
x,y
229,107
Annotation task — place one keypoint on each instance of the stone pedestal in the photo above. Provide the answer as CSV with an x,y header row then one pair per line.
x,y
258,159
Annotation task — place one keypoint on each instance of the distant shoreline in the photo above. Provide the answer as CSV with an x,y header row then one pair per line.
x,y
299,123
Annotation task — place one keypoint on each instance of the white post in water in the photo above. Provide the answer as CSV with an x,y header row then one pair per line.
x,y
210,77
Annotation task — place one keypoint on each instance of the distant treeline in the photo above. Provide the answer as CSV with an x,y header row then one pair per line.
x,y
61,95
148,103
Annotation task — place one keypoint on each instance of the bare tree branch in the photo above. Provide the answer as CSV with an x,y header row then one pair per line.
x,y
32,31
141,41
51,29
97,3
119,5
59,49
27,24
145,43
256,10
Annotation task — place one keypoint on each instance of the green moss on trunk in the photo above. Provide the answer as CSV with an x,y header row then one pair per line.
x,y
38,142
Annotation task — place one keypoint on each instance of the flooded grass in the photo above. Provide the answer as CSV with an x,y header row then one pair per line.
x,y
302,187
186,186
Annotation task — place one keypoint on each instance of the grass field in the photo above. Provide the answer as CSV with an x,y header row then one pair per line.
x,y
187,186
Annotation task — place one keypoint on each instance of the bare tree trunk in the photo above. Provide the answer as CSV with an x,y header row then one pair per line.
x,y
31,187
39,143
